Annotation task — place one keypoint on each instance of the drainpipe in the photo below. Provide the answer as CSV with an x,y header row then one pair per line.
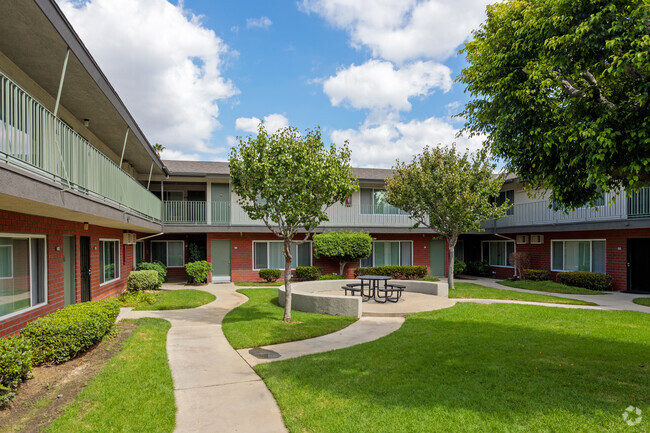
x,y
150,236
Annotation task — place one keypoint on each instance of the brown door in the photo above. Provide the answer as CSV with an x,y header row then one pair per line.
x,y
84,264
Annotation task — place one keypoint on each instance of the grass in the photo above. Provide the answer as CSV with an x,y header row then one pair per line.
x,y
258,322
476,368
430,278
166,300
133,392
549,286
260,284
642,301
475,291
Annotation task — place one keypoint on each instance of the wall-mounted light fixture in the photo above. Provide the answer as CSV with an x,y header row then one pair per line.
x,y
86,123
95,248
85,226
57,248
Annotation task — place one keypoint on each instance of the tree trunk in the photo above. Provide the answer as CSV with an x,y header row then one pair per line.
x,y
450,271
341,267
287,280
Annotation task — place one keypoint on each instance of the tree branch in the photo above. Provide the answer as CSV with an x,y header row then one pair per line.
x,y
592,80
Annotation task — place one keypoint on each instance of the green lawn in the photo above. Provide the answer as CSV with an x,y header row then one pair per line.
x,y
642,301
471,290
549,286
258,322
476,368
134,392
259,284
166,300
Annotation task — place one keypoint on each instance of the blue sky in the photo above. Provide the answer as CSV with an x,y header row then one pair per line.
x,y
195,75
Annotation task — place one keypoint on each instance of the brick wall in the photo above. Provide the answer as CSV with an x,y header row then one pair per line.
x,y
54,230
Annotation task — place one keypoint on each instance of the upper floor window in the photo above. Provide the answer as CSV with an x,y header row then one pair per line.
x,y
373,201
497,253
508,195
578,255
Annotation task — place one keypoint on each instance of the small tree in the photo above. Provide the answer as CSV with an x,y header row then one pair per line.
x,y
289,180
520,261
448,192
344,247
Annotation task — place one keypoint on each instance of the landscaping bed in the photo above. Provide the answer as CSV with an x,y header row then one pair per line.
x,y
476,291
165,300
642,301
549,286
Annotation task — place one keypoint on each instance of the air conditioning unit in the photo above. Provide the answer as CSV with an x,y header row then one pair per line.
x,y
128,238
522,239
536,239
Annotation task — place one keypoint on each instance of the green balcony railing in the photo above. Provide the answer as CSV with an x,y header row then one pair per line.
x,y
220,213
638,204
32,138
184,212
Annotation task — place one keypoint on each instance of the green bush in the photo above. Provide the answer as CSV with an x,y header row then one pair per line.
x,y
198,272
395,272
155,266
130,299
197,251
15,365
270,274
331,277
308,272
587,280
66,333
142,280
459,267
479,269
536,275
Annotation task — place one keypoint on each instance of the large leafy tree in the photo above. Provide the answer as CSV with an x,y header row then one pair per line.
x,y
344,247
449,192
561,89
288,180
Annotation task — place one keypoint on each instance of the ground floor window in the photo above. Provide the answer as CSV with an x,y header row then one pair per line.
x,y
171,253
23,272
390,253
138,253
496,253
268,255
578,255
459,251
109,260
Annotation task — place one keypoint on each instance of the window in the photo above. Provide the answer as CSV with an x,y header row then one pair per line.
x,y
171,253
109,260
459,251
390,253
373,201
508,195
138,252
23,272
578,255
496,253
268,254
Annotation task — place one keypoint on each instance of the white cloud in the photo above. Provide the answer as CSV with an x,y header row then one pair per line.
x,y
261,22
170,154
272,123
164,63
377,84
402,30
381,144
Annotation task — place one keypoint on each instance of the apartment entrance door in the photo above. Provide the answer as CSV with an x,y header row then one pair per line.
x,y
437,253
84,267
69,259
638,263
220,257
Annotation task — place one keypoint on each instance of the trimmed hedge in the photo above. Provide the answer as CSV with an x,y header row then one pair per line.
x,y
270,274
587,280
66,333
198,272
142,280
15,365
155,266
331,277
308,272
395,272
536,274
479,269
459,267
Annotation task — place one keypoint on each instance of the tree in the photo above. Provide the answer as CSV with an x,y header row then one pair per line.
x,y
561,89
289,180
344,247
158,148
447,192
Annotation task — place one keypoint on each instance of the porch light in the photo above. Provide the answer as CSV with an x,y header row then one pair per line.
x,y
86,123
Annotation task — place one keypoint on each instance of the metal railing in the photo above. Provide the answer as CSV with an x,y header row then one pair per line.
x,y
220,213
32,138
638,204
184,212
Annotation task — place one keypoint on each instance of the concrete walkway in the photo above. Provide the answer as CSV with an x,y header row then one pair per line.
x,y
608,301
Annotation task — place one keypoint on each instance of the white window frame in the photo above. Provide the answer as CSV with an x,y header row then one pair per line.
x,y
167,251
293,264
119,257
504,241
372,254
591,261
11,259
46,276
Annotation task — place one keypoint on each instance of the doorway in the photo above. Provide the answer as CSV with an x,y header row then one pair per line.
x,y
220,257
84,267
638,263
69,259
437,253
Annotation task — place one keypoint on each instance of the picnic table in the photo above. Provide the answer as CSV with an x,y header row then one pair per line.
x,y
370,288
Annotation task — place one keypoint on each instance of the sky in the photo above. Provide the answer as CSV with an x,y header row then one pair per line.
x,y
198,75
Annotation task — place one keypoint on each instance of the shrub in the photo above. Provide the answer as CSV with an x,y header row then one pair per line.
x,y
459,267
520,261
270,274
142,280
395,272
155,266
15,365
479,269
331,277
536,274
198,272
587,280
197,252
66,333
308,272
131,299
